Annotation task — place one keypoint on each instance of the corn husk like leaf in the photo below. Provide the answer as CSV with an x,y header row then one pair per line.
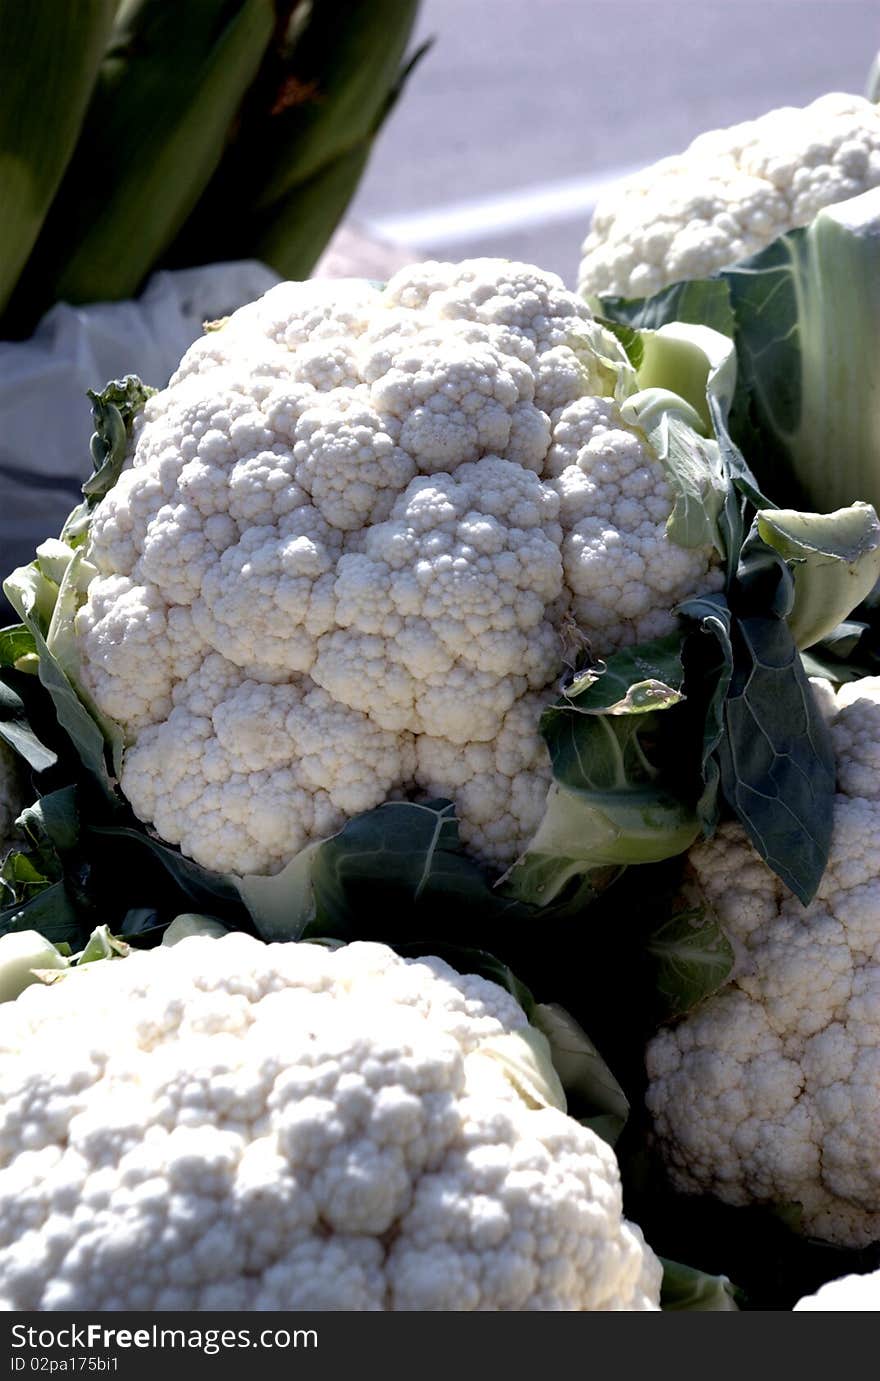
x,y
50,51
168,90
305,137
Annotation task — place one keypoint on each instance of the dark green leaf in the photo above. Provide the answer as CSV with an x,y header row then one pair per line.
x,y
611,802
50,912
649,676
703,302
51,830
777,761
765,738
403,854
16,730
692,958
55,817
198,884
843,640
114,409
847,657
709,657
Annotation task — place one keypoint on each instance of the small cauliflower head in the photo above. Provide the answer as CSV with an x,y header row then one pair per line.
x,y
770,1091
338,562
277,1127
730,194
847,1295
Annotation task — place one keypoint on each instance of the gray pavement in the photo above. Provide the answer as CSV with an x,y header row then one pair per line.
x,y
517,94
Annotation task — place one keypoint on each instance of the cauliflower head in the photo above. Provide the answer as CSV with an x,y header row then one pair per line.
x,y
770,1091
275,1127
339,559
730,194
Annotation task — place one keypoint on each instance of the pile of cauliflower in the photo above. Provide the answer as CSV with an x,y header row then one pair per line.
x,y
730,194
769,1092
240,1126
341,560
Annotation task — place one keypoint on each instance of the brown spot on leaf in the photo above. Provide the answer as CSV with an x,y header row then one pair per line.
x,y
295,92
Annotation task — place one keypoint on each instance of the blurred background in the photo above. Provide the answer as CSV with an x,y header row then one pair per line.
x,y
166,161
524,108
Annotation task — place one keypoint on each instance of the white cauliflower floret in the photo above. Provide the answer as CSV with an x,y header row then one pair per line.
x,y
455,400
282,1127
390,521
270,765
500,786
457,580
849,1294
348,459
295,314
614,504
769,1091
730,194
271,594
161,647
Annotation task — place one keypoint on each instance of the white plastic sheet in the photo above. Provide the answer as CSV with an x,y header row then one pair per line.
x,y
45,416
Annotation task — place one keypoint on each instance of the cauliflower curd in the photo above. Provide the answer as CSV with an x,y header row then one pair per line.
x,y
770,1091
239,1126
339,561
730,194
846,1295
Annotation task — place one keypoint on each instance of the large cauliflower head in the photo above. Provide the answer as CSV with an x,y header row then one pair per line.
x,y
770,1091
239,1126
731,193
338,562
